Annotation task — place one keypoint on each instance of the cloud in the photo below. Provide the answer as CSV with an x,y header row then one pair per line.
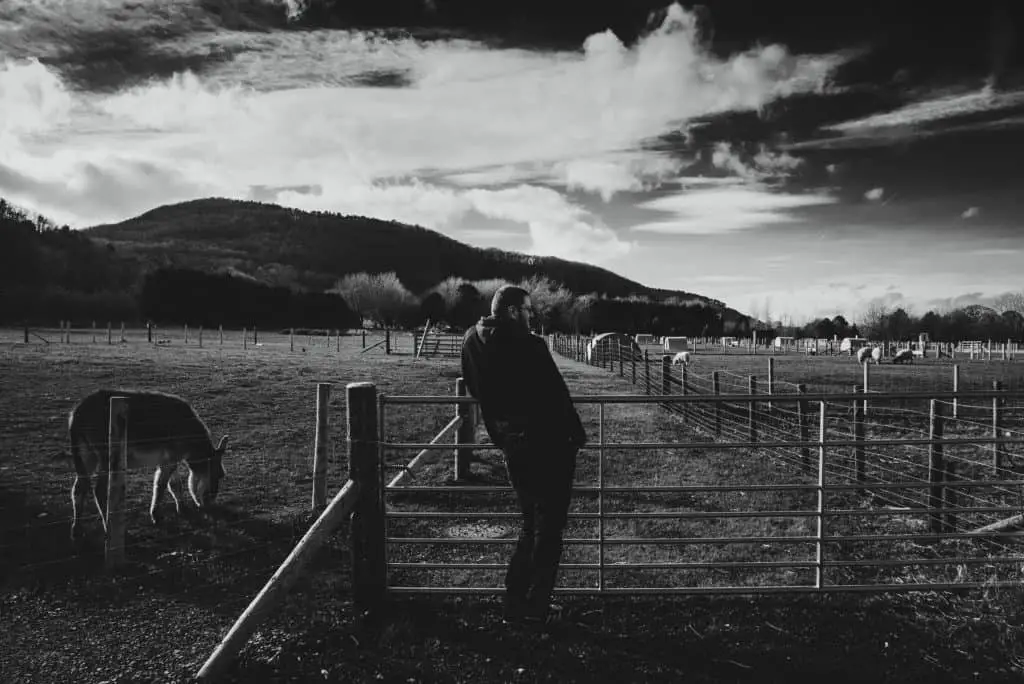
x,y
761,166
970,213
726,209
874,194
294,109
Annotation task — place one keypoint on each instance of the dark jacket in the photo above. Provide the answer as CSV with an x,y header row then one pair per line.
x,y
521,391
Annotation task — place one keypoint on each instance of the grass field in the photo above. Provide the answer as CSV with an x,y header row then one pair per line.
x,y
65,619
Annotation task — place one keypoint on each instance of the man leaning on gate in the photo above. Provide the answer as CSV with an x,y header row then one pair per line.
x,y
529,415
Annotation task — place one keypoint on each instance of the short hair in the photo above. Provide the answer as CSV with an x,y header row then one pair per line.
x,y
507,295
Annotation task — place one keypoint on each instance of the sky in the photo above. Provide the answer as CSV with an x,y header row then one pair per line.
x,y
756,176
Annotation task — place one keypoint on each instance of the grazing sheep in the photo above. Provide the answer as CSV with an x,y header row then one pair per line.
x,y
681,358
905,355
863,354
876,355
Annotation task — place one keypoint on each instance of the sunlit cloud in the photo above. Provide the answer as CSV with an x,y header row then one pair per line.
x,y
726,209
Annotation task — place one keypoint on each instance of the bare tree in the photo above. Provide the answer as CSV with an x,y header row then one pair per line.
x,y
872,321
1010,301
381,297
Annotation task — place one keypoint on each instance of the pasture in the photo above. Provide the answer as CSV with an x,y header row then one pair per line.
x,y
65,618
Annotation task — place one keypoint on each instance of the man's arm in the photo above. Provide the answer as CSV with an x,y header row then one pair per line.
x,y
554,394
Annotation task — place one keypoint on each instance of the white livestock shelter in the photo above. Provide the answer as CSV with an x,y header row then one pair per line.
x,y
645,338
730,342
606,345
676,344
784,342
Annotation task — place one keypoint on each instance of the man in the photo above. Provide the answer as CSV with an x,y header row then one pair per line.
x,y
529,415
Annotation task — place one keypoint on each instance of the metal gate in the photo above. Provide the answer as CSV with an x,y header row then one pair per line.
x,y
797,526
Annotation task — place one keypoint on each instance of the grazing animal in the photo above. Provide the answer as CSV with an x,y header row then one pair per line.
x,y
682,358
163,430
863,354
904,356
876,355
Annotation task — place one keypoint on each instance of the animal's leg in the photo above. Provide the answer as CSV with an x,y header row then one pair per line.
x,y
160,482
174,483
78,491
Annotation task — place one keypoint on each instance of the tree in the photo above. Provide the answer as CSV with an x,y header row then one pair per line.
x,y
381,297
449,291
488,287
468,307
1010,301
432,307
898,325
932,324
873,321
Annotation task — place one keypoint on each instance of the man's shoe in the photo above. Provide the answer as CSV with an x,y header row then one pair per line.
x,y
515,609
545,614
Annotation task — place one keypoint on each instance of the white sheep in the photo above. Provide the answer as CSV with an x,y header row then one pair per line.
x,y
863,354
904,355
876,355
682,358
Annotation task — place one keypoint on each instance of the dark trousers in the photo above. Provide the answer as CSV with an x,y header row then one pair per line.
x,y
543,485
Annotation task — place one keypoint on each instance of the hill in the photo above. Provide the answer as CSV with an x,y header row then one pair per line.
x,y
312,250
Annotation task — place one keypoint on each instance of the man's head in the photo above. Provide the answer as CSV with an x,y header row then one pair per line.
x,y
512,303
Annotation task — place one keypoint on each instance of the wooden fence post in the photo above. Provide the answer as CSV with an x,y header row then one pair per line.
x,y
245,338
647,372
220,329
666,374
363,332
716,388
149,332
110,335
94,332
321,445
387,341
465,434
684,382
122,333
950,499
117,475
337,340
804,433
819,573
936,466
771,380
956,388
632,356
752,409
997,432
858,436
865,385
369,565
186,333
26,334
291,339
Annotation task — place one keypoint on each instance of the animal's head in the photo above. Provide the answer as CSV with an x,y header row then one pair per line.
x,y
205,475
